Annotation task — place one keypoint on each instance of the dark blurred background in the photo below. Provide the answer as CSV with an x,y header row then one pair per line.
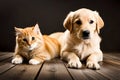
x,y
50,14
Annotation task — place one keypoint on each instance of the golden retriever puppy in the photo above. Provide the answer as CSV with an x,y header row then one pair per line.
x,y
81,40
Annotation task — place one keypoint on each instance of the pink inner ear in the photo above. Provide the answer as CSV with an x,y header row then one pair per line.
x,y
37,29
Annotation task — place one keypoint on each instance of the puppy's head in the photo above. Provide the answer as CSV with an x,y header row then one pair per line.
x,y
83,23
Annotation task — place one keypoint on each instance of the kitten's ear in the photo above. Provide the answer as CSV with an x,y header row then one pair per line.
x,y
37,29
18,30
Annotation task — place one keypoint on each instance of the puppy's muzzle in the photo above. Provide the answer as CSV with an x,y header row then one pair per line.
x,y
86,34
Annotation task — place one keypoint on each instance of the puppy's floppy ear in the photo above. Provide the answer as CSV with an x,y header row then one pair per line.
x,y
100,22
68,21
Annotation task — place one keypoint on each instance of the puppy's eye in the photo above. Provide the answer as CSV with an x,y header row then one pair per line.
x,y
33,38
91,22
25,40
78,22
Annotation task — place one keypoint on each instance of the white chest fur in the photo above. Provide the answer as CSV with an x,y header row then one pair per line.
x,y
82,50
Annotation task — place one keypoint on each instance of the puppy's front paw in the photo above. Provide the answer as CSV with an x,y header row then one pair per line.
x,y
74,63
93,65
17,60
34,61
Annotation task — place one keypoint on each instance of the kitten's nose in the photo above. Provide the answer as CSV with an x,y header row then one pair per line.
x,y
29,43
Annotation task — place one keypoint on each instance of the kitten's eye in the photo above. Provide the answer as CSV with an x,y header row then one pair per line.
x,y
78,22
33,38
91,22
25,39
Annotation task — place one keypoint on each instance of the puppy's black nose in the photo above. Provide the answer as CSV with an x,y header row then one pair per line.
x,y
85,34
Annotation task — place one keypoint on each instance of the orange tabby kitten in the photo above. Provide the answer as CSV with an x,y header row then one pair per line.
x,y
30,44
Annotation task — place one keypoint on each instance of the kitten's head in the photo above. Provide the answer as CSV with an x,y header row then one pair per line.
x,y
29,38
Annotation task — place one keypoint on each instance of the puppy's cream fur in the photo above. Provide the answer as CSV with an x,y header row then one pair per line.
x,y
74,48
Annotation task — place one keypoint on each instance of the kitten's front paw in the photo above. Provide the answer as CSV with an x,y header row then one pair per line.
x,y
93,65
17,60
34,61
74,63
